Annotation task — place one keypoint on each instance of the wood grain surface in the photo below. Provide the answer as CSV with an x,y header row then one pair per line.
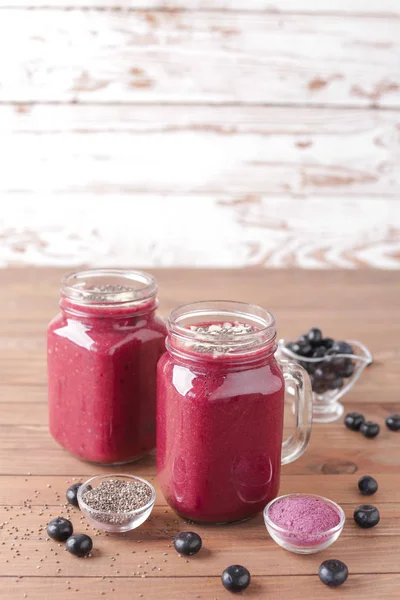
x,y
273,124
34,471
202,230
97,56
237,151
356,7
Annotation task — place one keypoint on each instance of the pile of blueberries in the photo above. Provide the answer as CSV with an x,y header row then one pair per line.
x,y
61,529
327,373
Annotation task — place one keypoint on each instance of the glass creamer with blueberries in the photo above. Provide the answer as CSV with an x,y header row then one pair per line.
x,y
102,352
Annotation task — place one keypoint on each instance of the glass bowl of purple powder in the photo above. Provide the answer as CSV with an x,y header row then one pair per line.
x,y
304,523
116,503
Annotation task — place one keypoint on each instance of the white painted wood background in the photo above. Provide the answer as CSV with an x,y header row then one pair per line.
x,y
200,133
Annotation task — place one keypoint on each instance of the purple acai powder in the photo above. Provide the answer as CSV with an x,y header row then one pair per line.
x,y
305,517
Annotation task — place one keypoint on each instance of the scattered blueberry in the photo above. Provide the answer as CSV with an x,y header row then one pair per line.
x,y
370,429
333,572
367,485
236,578
366,516
79,544
393,422
59,529
72,493
314,336
354,421
342,348
187,543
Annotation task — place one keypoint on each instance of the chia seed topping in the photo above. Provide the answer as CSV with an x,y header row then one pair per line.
x,y
116,497
224,334
106,293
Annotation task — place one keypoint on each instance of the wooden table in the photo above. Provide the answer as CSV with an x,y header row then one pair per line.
x,y
35,471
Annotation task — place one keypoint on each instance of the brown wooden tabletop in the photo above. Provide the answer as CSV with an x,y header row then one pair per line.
x,y
34,471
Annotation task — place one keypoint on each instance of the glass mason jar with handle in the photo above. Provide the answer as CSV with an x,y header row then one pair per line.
x,y
102,353
220,411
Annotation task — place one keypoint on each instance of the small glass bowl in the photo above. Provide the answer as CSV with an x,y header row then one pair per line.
x,y
326,405
304,543
115,522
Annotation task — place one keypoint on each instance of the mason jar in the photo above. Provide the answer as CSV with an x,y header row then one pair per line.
x,y
220,411
102,352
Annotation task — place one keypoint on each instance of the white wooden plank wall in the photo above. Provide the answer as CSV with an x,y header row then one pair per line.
x,y
200,133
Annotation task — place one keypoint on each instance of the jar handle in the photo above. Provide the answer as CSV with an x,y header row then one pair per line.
x,y
298,385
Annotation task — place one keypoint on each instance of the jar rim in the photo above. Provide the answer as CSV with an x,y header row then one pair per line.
x,y
209,311
106,287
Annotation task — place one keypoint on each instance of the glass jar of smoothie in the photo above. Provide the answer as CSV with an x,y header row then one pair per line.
x,y
102,353
220,411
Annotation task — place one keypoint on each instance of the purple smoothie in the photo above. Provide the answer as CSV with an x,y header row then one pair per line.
x,y
219,431
102,378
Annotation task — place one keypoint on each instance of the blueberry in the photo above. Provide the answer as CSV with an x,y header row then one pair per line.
x,y
308,366
187,543
325,375
235,578
303,349
319,352
370,429
327,343
314,336
319,372
367,485
336,383
393,422
294,347
337,364
342,348
348,368
79,544
59,529
366,516
72,494
318,385
333,572
354,421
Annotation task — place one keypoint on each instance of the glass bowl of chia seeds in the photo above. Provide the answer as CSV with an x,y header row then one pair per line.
x,y
116,503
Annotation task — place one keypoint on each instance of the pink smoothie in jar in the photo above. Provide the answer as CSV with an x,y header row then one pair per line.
x,y
102,352
220,402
